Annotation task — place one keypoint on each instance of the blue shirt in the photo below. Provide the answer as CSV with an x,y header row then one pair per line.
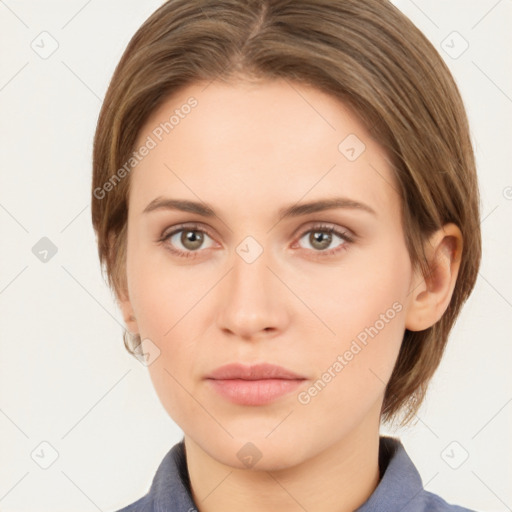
x,y
400,487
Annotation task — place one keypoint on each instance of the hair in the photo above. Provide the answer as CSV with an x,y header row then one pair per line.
x,y
367,54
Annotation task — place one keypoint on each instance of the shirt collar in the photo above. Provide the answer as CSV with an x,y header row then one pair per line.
x,y
399,487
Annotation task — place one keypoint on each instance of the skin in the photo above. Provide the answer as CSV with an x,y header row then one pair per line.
x,y
248,150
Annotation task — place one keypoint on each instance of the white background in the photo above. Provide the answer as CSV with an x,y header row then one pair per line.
x,y
65,377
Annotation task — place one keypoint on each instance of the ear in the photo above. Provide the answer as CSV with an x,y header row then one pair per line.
x,y
431,294
127,310
120,282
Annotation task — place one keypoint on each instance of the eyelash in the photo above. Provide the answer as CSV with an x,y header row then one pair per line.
x,y
318,228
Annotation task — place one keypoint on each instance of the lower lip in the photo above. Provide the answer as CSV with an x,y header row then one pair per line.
x,y
254,392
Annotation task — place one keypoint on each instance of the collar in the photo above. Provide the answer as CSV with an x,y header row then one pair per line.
x,y
400,487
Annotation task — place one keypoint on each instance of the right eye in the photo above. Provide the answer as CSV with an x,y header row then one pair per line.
x,y
191,238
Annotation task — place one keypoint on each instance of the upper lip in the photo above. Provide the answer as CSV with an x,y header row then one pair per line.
x,y
254,372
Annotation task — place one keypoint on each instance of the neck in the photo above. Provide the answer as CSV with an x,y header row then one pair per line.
x,y
338,479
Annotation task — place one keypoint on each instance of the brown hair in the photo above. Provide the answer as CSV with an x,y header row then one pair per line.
x,y
364,52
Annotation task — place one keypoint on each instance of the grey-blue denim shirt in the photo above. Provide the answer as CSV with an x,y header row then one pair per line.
x,y
400,488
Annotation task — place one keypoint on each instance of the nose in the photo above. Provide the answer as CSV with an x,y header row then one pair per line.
x,y
252,301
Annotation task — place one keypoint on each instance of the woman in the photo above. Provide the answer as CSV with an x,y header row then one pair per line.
x,y
286,205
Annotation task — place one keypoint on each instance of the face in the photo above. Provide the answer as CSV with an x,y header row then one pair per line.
x,y
321,292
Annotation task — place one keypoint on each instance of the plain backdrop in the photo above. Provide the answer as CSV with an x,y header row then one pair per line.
x,y
73,400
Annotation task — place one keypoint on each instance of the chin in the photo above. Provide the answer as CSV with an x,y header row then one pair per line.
x,y
257,453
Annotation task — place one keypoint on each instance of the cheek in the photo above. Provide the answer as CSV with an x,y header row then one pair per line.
x,y
352,295
158,291
352,371
364,309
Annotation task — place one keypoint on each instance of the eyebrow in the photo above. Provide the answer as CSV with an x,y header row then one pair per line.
x,y
294,210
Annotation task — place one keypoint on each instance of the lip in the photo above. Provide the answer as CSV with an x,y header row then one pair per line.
x,y
253,372
258,384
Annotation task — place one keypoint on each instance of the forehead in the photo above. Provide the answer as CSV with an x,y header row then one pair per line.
x,y
258,142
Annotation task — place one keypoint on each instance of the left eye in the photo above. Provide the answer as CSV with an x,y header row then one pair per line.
x,y
321,238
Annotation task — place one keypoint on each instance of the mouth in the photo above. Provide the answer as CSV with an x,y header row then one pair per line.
x,y
253,385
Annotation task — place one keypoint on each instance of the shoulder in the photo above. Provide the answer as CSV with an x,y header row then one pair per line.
x,y
401,487
170,488
435,503
141,505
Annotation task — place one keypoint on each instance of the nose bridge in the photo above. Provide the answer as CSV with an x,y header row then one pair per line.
x,y
251,301
250,274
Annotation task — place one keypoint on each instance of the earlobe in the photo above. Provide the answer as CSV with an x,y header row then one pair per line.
x,y
430,295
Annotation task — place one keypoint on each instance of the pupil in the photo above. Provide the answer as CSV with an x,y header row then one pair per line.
x,y
194,238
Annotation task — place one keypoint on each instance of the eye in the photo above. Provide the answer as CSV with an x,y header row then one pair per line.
x,y
191,238
321,238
